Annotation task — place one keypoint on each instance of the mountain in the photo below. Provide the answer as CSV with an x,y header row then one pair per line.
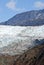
x,y
30,18
33,56
23,44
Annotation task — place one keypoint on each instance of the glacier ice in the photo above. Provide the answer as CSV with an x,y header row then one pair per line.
x,y
19,38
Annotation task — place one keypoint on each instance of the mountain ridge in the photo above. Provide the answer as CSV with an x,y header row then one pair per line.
x,y
29,18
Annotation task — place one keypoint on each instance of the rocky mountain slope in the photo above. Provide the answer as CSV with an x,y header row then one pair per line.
x,y
33,56
30,18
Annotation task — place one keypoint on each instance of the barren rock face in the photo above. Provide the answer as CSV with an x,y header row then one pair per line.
x,y
34,56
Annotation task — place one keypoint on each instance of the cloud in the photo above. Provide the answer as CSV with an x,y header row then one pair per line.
x,y
12,5
39,4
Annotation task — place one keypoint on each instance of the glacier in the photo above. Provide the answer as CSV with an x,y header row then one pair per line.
x,y
15,39
8,33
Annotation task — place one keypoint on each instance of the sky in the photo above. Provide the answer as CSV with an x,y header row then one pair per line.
x,y
9,8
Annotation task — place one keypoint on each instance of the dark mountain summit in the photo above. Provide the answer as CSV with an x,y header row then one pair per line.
x,y
30,18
